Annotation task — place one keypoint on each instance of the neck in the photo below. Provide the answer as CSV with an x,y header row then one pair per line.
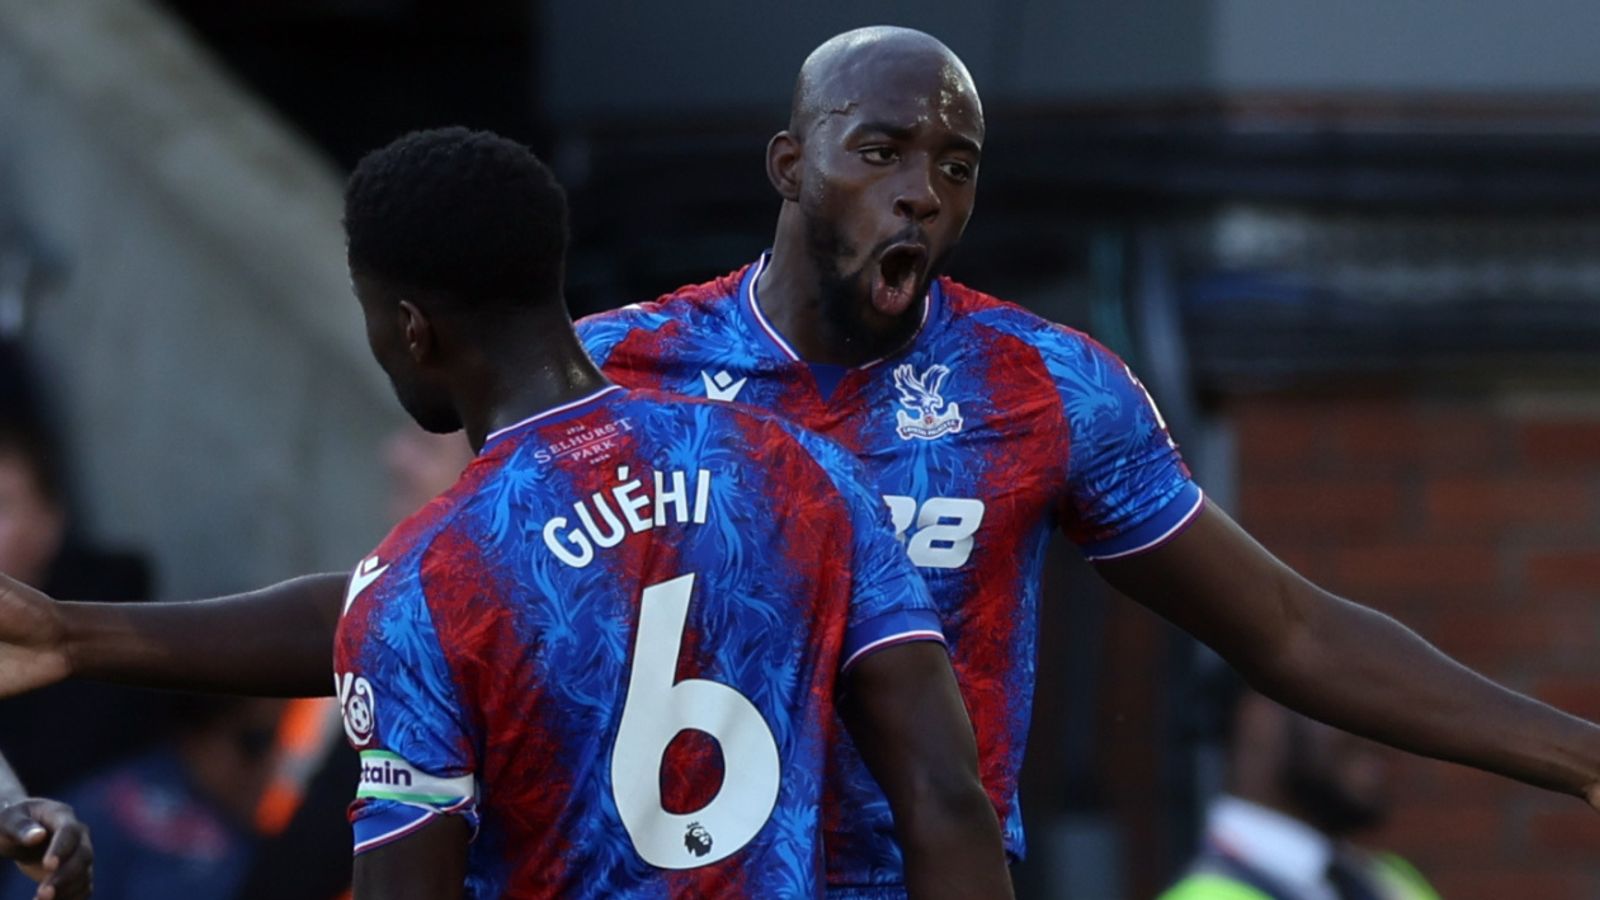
x,y
793,293
524,371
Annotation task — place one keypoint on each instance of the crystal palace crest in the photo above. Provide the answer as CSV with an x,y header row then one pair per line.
x,y
930,415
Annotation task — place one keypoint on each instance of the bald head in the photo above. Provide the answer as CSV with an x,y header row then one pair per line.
x,y
878,170
849,68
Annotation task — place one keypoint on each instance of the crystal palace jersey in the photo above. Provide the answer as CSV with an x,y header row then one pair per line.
x,y
613,645
991,428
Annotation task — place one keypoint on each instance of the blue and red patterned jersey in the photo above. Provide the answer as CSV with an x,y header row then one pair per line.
x,y
989,429
613,647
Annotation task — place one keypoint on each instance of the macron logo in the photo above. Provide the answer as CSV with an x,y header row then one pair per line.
x,y
365,574
721,386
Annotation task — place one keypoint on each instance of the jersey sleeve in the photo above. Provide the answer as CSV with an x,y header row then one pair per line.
x,y
1127,489
402,712
889,603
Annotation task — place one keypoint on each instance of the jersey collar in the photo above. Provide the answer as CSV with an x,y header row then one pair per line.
x,y
750,306
553,414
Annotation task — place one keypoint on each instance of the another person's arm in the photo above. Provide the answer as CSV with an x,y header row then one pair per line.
x,y
1348,665
276,641
907,719
1129,502
45,839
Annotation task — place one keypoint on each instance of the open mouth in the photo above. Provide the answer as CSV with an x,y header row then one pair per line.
x,y
894,284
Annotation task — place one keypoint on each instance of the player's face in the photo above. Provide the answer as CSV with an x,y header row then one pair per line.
x,y
889,183
392,337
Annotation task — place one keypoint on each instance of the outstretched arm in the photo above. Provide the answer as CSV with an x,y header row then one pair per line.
x,y
1348,665
47,841
906,717
277,641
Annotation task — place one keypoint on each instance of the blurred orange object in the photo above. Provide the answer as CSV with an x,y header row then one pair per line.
x,y
307,729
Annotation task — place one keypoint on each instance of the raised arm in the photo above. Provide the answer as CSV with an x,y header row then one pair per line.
x,y
276,641
906,717
45,839
1348,665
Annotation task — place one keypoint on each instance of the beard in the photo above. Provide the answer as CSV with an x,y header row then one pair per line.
x,y
845,296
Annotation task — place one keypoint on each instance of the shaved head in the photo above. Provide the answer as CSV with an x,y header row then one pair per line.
x,y
837,75
878,171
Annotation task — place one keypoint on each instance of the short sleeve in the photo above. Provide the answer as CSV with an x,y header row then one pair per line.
x,y
889,603
1127,488
401,710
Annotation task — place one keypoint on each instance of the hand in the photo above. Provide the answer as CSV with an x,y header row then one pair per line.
x,y
50,846
33,640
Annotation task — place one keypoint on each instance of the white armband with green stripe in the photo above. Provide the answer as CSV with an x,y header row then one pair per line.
x,y
395,798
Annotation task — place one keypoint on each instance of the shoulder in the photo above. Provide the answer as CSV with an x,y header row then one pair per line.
x,y
417,533
769,437
391,592
603,331
712,292
1059,347
663,406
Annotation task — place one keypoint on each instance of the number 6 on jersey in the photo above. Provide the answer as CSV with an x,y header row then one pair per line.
x,y
653,713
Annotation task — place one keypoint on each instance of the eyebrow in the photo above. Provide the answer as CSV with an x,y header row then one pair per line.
x,y
901,132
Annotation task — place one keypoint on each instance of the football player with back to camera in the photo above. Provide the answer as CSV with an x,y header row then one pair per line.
x,y
984,427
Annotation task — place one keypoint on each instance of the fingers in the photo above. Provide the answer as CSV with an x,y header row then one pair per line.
x,y
68,857
72,879
70,842
19,832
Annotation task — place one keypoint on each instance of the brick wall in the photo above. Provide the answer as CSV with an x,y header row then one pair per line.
x,y
1476,521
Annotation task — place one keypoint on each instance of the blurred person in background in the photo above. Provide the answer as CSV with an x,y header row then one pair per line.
x,y
421,466
38,544
1295,792
177,821
61,734
46,840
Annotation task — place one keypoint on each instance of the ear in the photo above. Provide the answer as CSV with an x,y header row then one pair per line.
x,y
421,341
783,165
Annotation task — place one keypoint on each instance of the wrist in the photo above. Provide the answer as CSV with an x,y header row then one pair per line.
x,y
87,638
69,619
1570,764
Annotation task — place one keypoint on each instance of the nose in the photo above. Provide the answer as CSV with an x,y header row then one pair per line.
x,y
916,200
